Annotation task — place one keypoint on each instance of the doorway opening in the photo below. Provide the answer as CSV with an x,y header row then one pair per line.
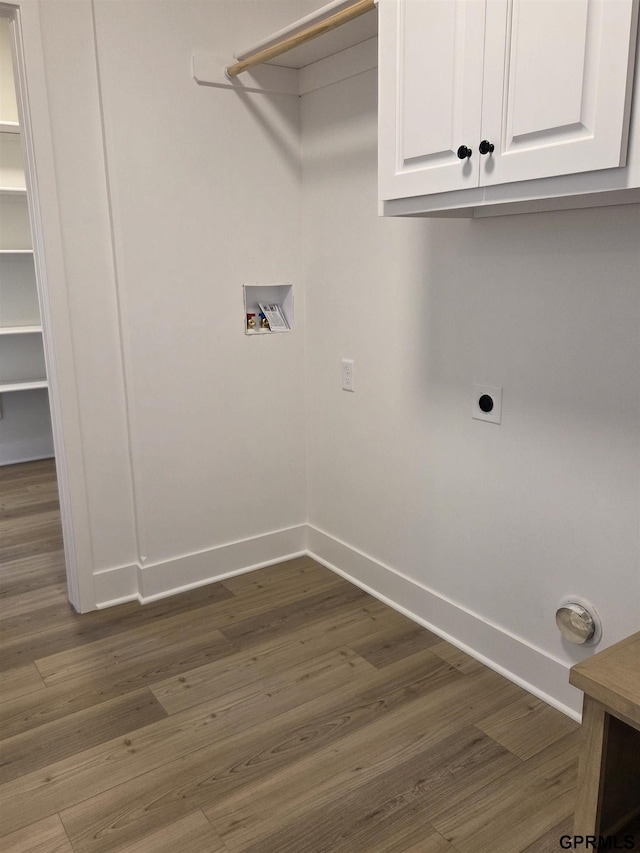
x,y
32,555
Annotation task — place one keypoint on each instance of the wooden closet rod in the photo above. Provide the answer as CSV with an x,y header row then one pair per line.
x,y
311,32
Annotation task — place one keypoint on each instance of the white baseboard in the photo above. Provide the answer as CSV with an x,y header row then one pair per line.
x,y
511,656
151,581
115,586
18,460
216,564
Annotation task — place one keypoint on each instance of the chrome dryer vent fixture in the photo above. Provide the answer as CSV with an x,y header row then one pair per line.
x,y
578,621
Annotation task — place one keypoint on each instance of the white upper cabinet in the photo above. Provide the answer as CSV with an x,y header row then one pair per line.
x,y
479,93
556,87
430,78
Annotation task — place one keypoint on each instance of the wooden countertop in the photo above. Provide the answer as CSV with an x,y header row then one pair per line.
x,y
612,677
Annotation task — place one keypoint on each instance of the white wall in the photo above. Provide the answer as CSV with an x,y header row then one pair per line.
x,y
25,427
186,439
170,197
82,292
205,194
8,106
476,528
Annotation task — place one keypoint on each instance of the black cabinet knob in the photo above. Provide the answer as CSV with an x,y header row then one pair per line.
x,y
486,147
464,152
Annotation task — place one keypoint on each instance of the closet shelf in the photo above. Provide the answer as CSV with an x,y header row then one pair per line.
x,y
9,127
13,190
7,387
20,330
16,251
342,23
294,60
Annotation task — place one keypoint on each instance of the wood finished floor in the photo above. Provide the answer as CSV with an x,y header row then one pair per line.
x,y
283,711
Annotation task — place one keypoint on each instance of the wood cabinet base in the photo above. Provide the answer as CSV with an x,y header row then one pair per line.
x,y
609,775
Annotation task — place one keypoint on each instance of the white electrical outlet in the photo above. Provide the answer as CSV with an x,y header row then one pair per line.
x,y
347,374
487,403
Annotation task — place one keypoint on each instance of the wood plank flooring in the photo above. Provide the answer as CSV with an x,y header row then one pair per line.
x,y
283,711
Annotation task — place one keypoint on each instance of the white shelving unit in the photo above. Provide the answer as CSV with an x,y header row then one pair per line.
x,y
25,420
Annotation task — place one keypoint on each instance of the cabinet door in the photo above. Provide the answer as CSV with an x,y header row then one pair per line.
x,y
557,87
430,95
